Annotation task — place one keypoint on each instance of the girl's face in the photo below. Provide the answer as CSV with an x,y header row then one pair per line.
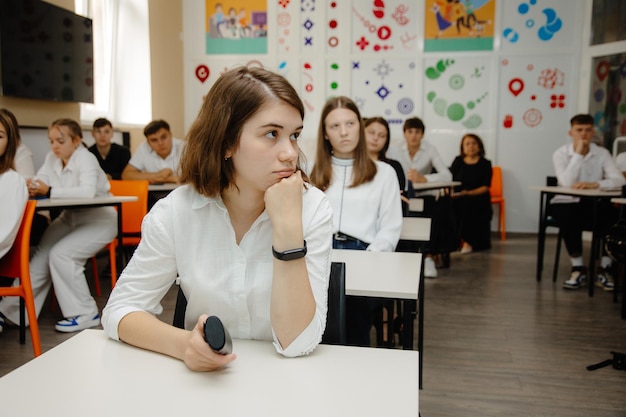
x,y
470,146
61,143
4,139
376,137
342,130
268,147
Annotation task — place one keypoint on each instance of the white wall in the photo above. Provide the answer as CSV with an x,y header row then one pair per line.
x,y
523,150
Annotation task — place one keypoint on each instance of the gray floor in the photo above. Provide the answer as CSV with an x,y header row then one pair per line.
x,y
497,343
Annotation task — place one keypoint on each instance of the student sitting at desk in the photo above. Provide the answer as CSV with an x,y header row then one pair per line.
x,y
584,165
418,157
111,156
158,158
364,195
246,234
12,186
471,200
76,235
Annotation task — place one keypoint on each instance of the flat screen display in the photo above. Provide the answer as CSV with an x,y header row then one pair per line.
x,y
46,52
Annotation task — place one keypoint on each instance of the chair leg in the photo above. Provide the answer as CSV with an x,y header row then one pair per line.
x,y
113,263
502,222
96,278
557,255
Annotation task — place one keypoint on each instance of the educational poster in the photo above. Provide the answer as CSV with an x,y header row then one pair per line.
x,y
607,101
380,27
236,27
287,27
538,25
385,87
534,92
461,25
457,93
206,72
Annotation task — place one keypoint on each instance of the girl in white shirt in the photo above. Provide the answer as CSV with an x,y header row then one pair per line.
x,y
76,235
244,202
12,187
364,195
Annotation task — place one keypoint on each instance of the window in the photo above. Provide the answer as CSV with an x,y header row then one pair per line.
x,y
121,61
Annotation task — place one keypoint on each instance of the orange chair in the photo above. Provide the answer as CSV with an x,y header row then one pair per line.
x,y
132,216
15,264
497,197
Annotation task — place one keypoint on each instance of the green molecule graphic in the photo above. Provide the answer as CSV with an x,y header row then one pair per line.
x,y
456,82
456,112
431,96
473,121
334,85
439,105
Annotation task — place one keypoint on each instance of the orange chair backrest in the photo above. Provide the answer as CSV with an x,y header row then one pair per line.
x,y
16,259
496,182
132,212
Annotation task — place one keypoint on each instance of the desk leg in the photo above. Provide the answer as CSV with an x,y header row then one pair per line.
x,y
420,324
120,240
541,234
595,248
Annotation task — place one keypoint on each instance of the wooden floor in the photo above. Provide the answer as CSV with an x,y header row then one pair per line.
x,y
496,342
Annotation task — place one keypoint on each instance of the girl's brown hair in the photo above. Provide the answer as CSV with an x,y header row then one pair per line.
x,y
364,169
7,160
234,98
481,146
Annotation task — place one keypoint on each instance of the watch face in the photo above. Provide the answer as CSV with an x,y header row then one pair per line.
x,y
291,254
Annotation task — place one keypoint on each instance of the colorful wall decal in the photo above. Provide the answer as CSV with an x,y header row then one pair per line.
x,y
607,101
537,25
456,92
286,25
384,26
535,90
385,87
236,27
461,25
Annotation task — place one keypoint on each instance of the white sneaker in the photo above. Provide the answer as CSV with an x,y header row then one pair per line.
x,y
77,323
430,271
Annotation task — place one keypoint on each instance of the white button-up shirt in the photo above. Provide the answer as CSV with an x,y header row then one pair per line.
x,y
189,235
147,160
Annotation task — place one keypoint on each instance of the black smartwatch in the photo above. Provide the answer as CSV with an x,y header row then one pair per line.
x,y
291,254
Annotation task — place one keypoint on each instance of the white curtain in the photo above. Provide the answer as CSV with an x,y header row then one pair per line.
x,y
121,61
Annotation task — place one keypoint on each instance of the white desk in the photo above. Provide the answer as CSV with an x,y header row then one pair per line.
x,y
380,274
618,200
594,194
81,203
396,275
416,229
168,186
434,185
90,375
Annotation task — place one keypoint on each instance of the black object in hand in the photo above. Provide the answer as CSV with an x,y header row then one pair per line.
x,y
216,335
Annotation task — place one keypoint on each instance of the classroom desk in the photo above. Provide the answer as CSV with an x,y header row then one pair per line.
x,y
596,195
168,186
91,375
434,185
78,203
396,275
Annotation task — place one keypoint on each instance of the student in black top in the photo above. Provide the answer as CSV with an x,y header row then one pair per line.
x,y
111,156
471,200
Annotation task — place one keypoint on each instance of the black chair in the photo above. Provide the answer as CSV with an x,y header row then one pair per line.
x,y
335,333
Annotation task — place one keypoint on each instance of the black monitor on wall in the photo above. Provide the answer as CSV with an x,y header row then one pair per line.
x,y
46,52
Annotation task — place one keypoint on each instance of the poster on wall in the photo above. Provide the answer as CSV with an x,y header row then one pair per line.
x,y
538,25
385,87
236,27
535,92
607,101
456,92
461,25
380,27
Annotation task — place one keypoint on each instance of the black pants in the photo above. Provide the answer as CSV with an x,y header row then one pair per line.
x,y
573,218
